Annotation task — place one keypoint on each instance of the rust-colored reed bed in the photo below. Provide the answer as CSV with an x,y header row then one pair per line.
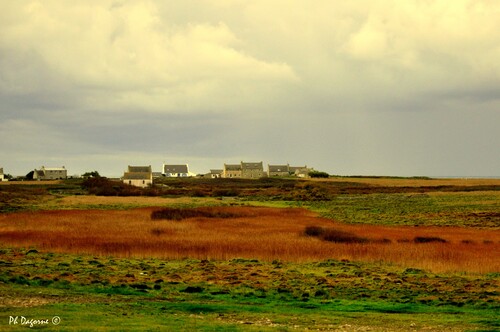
x,y
261,233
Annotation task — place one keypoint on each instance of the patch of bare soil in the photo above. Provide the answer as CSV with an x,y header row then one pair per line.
x,y
26,302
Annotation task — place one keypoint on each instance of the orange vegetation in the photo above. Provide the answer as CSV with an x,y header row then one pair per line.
x,y
261,233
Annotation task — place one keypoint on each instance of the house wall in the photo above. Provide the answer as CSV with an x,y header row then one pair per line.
x,y
214,174
232,173
50,174
176,175
138,183
252,173
252,170
55,174
278,170
282,173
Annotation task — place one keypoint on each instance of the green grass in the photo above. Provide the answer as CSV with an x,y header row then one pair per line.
x,y
450,209
93,293
96,293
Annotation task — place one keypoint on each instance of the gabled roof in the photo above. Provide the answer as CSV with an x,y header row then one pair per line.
x,y
232,167
138,173
279,168
298,168
137,176
175,168
139,169
252,165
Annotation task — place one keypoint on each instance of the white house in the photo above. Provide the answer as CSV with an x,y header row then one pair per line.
x,y
139,176
301,171
2,178
176,171
50,173
216,173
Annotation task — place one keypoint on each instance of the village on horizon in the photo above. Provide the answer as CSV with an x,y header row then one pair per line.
x,y
142,176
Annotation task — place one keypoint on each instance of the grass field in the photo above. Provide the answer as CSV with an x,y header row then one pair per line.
x,y
94,292
364,254
472,209
262,233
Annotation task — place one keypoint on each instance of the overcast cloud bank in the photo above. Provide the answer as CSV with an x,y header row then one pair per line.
x,y
364,87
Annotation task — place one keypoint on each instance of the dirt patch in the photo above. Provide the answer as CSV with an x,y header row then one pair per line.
x,y
25,302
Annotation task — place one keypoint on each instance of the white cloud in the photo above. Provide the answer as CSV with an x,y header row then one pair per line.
x,y
282,76
138,59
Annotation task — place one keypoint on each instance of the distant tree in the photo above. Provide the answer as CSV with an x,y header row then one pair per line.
x,y
316,174
8,176
93,174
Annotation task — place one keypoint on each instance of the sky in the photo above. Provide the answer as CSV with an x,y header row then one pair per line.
x,y
365,87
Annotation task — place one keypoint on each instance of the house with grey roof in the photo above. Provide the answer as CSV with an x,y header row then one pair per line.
x,y
287,170
50,173
216,173
300,171
252,170
176,171
245,170
231,171
278,170
139,176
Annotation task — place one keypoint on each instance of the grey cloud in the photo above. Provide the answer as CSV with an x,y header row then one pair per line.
x,y
347,87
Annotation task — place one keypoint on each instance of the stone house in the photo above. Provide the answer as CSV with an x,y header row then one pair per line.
x,y
139,176
252,170
231,171
278,170
175,171
244,170
287,170
50,173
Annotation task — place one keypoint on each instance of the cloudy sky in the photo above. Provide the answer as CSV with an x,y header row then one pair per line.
x,y
371,87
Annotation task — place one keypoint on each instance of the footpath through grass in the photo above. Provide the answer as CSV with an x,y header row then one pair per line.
x,y
99,293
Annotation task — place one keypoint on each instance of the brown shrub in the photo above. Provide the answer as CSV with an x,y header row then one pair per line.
x,y
333,235
314,231
429,239
337,236
203,212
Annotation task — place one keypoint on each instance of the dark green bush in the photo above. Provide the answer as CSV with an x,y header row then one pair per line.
x,y
317,174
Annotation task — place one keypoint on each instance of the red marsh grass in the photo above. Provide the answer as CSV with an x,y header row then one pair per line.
x,y
257,233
